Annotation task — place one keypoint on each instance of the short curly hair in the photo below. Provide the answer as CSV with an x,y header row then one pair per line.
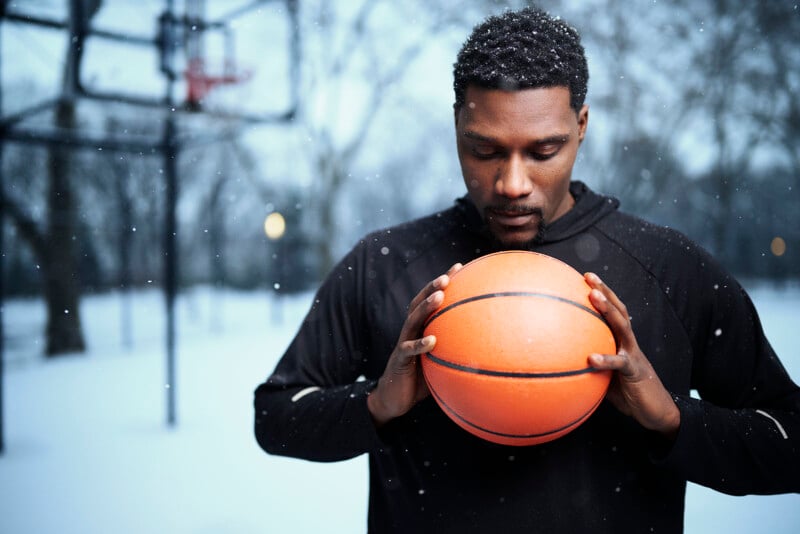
x,y
522,50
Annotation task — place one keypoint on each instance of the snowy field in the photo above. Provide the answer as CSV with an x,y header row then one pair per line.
x,y
88,450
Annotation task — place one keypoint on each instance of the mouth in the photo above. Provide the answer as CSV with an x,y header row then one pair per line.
x,y
514,217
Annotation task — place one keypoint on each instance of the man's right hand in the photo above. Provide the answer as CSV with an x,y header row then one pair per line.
x,y
402,385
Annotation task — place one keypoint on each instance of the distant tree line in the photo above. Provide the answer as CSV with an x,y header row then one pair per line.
x,y
704,122
694,123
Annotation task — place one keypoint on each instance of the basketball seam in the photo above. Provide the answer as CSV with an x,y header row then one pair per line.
x,y
506,374
568,426
502,294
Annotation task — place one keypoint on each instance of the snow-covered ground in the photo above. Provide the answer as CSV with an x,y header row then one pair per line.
x,y
88,449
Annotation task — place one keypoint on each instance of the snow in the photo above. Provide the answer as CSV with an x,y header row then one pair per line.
x,y
88,449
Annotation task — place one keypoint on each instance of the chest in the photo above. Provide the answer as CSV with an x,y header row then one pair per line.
x,y
658,330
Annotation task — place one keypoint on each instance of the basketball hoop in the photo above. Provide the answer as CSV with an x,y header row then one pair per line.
x,y
199,83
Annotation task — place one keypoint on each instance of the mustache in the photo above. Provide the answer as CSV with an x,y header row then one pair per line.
x,y
514,209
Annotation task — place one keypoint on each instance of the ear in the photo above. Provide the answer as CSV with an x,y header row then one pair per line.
x,y
583,122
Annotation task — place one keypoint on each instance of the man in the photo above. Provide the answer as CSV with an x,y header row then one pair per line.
x,y
520,83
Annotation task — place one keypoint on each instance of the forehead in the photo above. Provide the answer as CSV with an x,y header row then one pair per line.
x,y
540,111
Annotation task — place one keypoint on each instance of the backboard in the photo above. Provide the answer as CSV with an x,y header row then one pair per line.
x,y
232,58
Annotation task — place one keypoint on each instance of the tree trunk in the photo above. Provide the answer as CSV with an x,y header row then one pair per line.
x,y
62,289
125,255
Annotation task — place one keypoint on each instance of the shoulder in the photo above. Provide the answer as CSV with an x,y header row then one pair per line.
x,y
657,248
701,293
689,277
384,255
386,268
368,271
404,243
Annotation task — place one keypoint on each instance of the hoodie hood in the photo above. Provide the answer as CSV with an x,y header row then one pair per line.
x,y
588,209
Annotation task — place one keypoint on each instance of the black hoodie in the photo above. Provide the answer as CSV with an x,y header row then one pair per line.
x,y
692,320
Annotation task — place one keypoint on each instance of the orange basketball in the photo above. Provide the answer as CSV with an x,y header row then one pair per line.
x,y
513,337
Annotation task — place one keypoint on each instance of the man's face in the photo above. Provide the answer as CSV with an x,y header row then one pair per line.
x,y
517,149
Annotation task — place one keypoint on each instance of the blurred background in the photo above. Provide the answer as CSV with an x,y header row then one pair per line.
x,y
220,156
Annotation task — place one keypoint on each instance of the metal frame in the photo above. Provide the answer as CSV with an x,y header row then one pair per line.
x,y
12,128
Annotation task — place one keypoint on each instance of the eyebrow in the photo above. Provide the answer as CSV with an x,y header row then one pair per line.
x,y
558,138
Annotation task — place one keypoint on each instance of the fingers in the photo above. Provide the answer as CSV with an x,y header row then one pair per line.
x,y
426,302
436,284
411,348
417,316
597,284
432,286
454,269
426,291
401,386
612,308
611,362
636,390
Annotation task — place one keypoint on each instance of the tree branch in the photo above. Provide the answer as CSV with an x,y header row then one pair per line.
x,y
25,224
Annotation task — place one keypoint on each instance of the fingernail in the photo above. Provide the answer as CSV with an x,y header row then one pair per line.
x,y
439,281
596,293
434,296
429,340
594,278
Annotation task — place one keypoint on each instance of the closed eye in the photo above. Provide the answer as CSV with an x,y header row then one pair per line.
x,y
545,151
485,152
543,156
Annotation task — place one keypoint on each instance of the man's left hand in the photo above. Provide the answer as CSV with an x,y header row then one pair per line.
x,y
635,389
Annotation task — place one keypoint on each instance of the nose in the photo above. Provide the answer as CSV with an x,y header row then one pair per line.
x,y
512,180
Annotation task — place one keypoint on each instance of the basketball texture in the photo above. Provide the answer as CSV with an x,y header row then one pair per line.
x,y
513,336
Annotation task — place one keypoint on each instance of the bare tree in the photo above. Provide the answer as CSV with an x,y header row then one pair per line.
x,y
353,59
779,26
695,101
122,193
55,244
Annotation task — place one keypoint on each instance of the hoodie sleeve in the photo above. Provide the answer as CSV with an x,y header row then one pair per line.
x,y
313,406
742,436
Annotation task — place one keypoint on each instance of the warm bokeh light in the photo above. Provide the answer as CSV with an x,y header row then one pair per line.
x,y
274,225
778,246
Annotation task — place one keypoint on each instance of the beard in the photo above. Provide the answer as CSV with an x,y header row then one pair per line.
x,y
500,242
